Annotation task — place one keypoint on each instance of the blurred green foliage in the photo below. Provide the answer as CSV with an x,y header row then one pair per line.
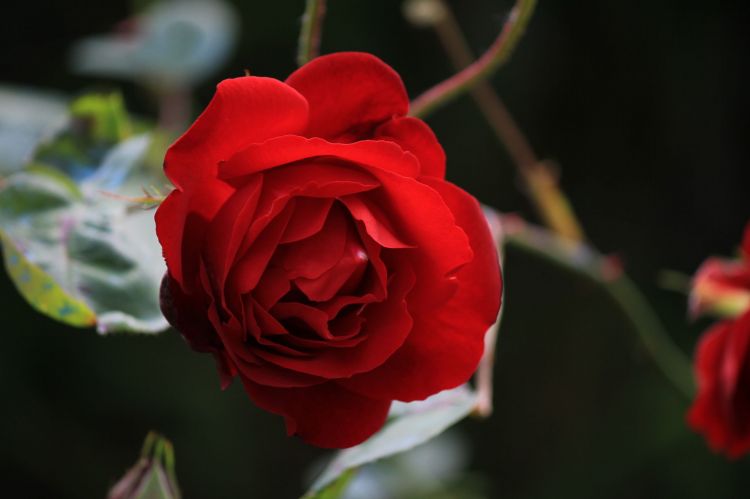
x,y
74,247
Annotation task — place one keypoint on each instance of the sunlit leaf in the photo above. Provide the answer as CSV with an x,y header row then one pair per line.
x,y
105,116
410,425
97,122
41,291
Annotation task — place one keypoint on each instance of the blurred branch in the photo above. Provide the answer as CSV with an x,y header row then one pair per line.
x,y
312,26
174,108
564,246
607,272
498,53
538,176
673,280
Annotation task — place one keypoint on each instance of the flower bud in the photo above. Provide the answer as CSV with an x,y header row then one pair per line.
x,y
721,287
153,476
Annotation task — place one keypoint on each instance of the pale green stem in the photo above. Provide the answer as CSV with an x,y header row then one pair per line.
x,y
309,36
583,260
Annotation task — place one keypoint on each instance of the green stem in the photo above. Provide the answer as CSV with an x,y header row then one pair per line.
x,y
312,26
674,364
583,260
498,53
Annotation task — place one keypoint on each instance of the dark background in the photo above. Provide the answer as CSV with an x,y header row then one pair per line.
x,y
643,104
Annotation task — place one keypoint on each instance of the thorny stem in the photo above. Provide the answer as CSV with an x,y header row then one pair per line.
x,y
538,176
498,53
312,26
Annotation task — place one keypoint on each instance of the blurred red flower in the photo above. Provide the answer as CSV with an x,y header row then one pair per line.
x,y
721,410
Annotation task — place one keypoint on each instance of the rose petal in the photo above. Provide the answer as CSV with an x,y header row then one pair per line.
x,y
413,135
446,343
703,414
252,264
348,271
315,255
181,223
309,180
349,93
227,229
722,360
243,110
387,324
187,314
248,365
300,316
736,359
325,415
272,285
292,148
441,246
375,221
309,216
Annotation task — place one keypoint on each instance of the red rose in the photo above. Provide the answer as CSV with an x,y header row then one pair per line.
x,y
722,286
721,411
316,250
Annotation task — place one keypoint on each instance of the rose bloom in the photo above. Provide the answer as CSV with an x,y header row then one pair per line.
x,y
315,248
721,411
721,286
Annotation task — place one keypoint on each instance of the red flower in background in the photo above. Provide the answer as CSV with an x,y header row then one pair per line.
x,y
315,249
722,286
721,411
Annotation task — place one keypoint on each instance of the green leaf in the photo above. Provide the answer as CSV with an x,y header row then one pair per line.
x,y
29,193
41,291
105,114
410,425
336,488
98,254
97,122
155,486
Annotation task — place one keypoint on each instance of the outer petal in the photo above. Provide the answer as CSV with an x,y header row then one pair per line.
x,y
349,93
291,148
188,315
413,135
243,110
446,343
325,415
720,287
181,222
705,413
441,246
721,410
